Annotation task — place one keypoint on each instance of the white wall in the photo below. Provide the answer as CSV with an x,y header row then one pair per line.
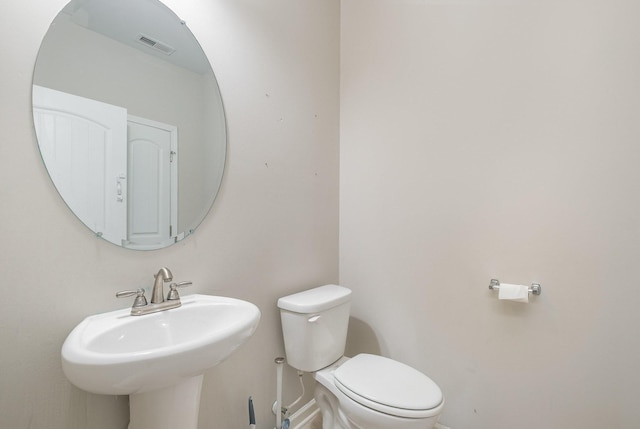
x,y
272,231
486,139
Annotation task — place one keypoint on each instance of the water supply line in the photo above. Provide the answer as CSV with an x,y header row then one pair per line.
x,y
278,409
291,405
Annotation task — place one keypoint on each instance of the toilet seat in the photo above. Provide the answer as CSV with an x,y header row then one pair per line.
x,y
388,386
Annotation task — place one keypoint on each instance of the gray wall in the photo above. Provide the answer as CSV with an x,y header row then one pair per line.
x,y
486,139
273,230
478,140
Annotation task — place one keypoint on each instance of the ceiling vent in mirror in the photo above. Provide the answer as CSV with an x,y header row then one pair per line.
x,y
155,44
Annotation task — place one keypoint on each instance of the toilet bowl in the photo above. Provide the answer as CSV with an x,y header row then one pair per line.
x,y
363,392
373,392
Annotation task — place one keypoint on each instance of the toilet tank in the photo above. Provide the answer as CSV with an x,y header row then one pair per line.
x,y
314,326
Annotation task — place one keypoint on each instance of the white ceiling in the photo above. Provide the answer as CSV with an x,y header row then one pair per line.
x,y
126,20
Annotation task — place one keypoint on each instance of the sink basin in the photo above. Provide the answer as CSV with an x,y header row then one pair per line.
x,y
119,354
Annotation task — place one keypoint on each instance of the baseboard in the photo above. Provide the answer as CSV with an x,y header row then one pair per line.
x,y
304,415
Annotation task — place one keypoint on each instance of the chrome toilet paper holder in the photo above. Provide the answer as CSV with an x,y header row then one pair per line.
x,y
535,288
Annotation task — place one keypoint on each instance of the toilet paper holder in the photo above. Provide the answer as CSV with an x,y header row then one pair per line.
x,y
535,288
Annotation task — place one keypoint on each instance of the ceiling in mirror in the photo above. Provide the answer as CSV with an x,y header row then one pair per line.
x,y
129,120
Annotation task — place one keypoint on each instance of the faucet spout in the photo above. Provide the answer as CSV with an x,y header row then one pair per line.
x,y
164,275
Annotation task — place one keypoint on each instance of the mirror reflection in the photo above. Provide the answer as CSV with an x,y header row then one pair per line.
x,y
129,120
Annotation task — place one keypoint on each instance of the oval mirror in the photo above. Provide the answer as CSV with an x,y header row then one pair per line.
x,y
129,120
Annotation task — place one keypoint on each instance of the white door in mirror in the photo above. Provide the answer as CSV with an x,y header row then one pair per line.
x,y
83,144
153,183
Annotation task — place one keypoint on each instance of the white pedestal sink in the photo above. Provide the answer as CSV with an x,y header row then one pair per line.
x,y
158,359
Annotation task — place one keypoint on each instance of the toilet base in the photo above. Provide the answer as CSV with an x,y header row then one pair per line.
x,y
332,416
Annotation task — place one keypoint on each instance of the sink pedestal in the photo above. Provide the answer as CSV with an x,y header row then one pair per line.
x,y
168,408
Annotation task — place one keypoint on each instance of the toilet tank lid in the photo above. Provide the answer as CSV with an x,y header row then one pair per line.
x,y
316,299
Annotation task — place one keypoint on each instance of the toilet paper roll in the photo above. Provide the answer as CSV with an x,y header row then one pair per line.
x,y
518,293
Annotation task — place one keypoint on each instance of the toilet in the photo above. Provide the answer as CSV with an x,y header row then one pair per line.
x,y
362,392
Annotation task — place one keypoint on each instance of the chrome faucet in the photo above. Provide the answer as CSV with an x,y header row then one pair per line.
x,y
158,303
164,275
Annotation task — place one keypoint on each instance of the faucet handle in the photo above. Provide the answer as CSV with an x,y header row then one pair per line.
x,y
173,292
140,300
